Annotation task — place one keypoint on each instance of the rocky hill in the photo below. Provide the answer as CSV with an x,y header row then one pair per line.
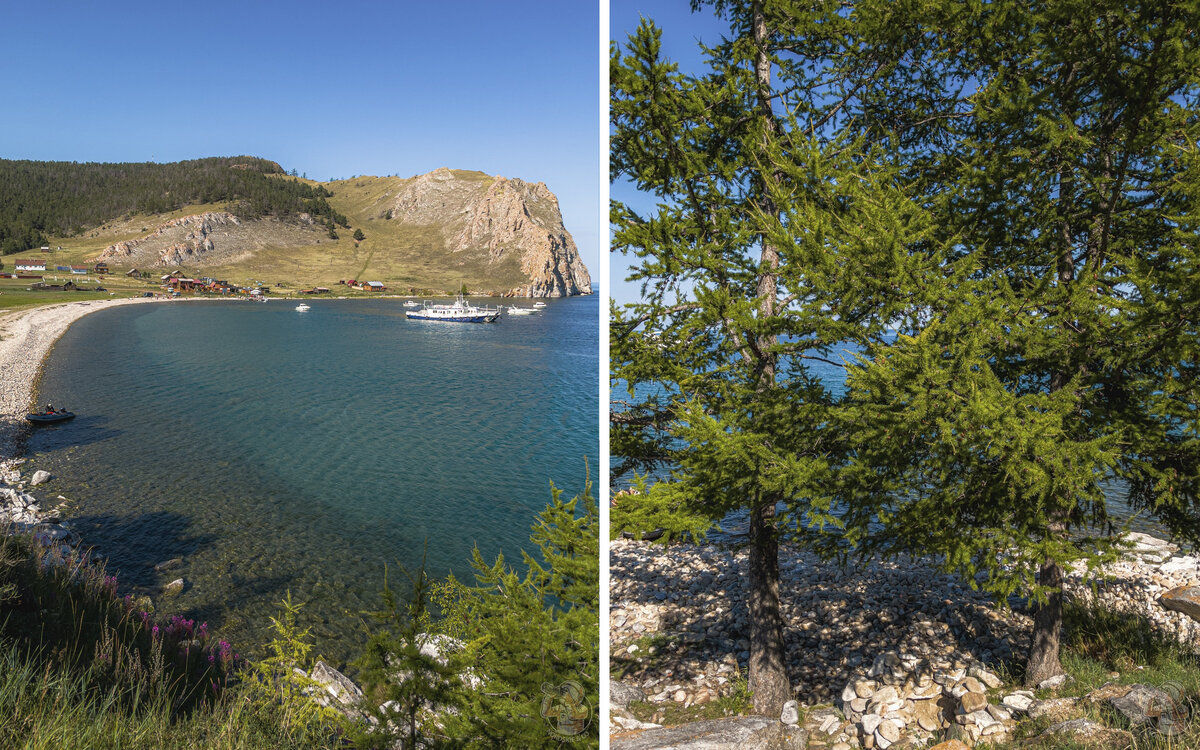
x,y
426,234
496,222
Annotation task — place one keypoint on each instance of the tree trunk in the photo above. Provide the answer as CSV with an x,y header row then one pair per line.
x,y
1047,629
768,669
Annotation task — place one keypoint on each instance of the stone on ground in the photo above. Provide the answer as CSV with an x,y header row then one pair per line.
x,y
1086,733
748,733
620,694
1185,599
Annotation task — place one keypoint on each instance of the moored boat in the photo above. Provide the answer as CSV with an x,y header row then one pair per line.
x,y
458,312
411,303
515,310
539,304
302,307
60,415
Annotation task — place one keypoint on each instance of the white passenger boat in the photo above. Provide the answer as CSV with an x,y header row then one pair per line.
x,y
514,310
458,312
302,307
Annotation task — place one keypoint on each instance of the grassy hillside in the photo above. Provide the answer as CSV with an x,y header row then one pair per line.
x,y
403,256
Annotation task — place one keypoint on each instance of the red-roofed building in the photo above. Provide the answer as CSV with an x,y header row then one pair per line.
x,y
25,264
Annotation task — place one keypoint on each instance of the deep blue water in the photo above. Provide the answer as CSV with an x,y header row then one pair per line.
x,y
275,450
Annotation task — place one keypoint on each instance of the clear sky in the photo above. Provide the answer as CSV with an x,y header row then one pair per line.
x,y
332,90
682,33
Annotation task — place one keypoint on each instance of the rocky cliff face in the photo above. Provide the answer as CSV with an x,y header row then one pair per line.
x,y
206,239
501,221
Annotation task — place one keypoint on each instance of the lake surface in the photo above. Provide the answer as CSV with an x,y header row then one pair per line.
x,y
276,450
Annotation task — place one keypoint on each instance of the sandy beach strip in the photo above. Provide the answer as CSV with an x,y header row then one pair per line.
x,y
26,337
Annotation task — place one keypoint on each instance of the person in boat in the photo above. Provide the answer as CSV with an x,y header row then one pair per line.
x,y
49,408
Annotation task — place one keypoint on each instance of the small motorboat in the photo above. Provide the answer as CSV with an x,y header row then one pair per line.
x,y
539,304
302,307
412,303
515,310
59,415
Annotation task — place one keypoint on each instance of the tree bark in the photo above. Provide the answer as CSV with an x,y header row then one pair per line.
x,y
1047,629
768,679
768,668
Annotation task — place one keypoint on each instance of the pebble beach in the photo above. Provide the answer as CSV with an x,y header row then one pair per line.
x,y
678,616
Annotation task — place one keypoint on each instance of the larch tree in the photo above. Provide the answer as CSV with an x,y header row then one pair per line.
x,y
1052,354
775,234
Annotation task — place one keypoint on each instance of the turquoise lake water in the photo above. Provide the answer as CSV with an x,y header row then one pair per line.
x,y
276,450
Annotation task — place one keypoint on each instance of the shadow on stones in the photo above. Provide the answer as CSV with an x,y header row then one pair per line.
x,y
836,620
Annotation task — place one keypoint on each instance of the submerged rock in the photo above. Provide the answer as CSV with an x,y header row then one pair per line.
x,y
39,477
174,588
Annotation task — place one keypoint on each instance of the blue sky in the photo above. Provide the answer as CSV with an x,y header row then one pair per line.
x,y
329,89
682,31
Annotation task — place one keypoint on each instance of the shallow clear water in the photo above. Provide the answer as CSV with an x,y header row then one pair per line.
x,y
276,450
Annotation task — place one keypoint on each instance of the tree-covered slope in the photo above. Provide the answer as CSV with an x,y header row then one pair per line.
x,y
48,198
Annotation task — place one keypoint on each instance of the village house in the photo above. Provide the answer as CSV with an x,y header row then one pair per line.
x,y
29,266
181,284
80,270
100,267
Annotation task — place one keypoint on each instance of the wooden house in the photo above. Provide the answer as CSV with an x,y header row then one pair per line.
x,y
29,266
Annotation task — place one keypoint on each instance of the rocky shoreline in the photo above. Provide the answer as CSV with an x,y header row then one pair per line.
x,y
678,619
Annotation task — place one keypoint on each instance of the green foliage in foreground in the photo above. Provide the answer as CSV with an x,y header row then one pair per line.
x,y
281,680
81,667
58,709
532,639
